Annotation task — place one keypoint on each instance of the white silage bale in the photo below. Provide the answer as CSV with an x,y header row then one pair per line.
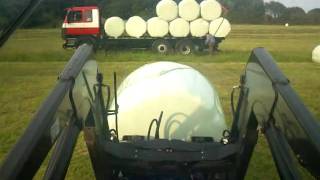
x,y
189,10
157,27
136,26
190,104
220,27
199,27
114,27
179,28
316,54
210,9
167,10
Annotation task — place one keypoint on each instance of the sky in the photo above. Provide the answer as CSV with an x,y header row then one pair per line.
x,y
305,4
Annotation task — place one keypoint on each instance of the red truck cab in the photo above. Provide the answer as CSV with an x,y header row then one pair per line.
x,y
81,25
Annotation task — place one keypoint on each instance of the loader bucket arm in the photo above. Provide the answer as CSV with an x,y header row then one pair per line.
x,y
58,120
292,132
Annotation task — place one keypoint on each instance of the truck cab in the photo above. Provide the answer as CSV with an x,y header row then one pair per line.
x,y
81,25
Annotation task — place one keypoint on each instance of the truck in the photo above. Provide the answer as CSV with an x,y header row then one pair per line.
x,y
85,25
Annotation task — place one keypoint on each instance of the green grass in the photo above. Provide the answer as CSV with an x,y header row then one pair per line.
x,y
31,61
291,44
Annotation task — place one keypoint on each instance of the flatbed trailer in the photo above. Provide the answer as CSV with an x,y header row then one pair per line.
x,y
164,45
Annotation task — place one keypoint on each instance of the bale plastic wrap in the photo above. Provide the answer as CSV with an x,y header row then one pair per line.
x,y
189,10
179,28
316,54
190,104
210,9
114,27
220,27
136,26
199,27
157,27
167,10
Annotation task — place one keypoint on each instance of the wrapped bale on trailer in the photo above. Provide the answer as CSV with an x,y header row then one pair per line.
x,y
157,27
220,27
189,10
178,27
210,10
136,26
199,27
167,10
114,27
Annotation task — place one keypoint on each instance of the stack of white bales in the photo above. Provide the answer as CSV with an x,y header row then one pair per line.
x,y
180,20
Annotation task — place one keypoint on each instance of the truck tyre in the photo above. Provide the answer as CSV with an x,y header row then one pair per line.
x,y
161,46
185,47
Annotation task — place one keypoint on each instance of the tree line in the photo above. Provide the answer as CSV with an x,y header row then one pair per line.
x,y
51,12
278,13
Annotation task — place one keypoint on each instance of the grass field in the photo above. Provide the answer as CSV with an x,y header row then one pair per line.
x,y
32,59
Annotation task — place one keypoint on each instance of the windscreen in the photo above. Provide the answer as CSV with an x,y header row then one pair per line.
x,y
35,54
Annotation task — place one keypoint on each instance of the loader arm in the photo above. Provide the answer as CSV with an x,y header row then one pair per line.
x,y
292,131
58,119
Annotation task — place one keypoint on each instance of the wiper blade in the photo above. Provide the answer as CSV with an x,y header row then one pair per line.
x,y
25,14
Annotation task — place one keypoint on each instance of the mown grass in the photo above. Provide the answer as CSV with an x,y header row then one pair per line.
x,y
29,66
291,44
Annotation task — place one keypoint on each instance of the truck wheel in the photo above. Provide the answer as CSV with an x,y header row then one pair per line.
x,y
161,46
185,47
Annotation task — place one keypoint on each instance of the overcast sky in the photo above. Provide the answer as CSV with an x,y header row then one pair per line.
x,y
305,4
